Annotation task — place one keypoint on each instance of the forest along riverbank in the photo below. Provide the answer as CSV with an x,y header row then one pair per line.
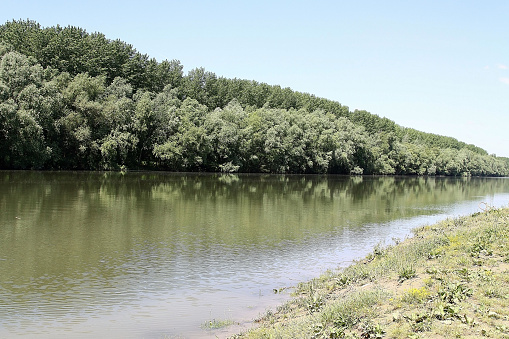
x,y
451,279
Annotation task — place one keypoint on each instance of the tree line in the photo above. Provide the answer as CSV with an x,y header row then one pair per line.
x,y
77,101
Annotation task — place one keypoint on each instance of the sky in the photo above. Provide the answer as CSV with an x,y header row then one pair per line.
x,y
436,66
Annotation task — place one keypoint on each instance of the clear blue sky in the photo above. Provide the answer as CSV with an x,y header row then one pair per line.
x,y
437,66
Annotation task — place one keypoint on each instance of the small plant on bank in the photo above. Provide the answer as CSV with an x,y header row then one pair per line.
x,y
453,292
406,273
336,333
215,324
315,303
343,280
464,273
435,253
370,330
316,330
446,311
419,322
416,295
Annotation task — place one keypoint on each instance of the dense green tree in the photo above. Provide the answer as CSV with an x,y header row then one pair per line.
x,y
118,147
225,130
164,74
186,148
83,122
22,140
70,99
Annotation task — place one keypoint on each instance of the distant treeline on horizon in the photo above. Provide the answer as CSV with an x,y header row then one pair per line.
x,y
72,100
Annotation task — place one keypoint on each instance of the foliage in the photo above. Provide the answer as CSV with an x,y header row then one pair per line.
x,y
70,99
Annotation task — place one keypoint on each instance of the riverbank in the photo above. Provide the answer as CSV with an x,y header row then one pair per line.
x,y
450,279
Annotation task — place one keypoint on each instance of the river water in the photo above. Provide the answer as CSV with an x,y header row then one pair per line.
x,y
159,255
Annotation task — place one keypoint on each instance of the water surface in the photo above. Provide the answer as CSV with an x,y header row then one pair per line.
x,y
153,255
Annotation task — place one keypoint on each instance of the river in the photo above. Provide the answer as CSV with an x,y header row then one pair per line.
x,y
160,255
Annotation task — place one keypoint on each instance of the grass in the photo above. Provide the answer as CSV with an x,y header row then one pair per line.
x,y
215,324
450,279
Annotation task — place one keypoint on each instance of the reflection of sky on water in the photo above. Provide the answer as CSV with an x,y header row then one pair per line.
x,y
170,276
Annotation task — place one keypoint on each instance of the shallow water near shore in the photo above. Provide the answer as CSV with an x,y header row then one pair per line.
x,y
154,255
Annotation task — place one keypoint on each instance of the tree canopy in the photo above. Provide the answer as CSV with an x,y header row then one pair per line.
x,y
71,100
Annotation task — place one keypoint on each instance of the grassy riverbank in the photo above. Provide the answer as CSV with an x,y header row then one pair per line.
x,y
450,280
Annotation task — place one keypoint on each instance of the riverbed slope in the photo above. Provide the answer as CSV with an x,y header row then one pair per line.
x,y
449,280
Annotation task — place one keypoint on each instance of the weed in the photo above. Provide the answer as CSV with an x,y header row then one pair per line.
x,y
453,292
380,250
217,323
486,275
342,280
433,271
406,273
415,295
346,313
316,329
370,330
335,333
429,282
419,322
446,311
493,291
480,247
315,303
464,273
435,253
